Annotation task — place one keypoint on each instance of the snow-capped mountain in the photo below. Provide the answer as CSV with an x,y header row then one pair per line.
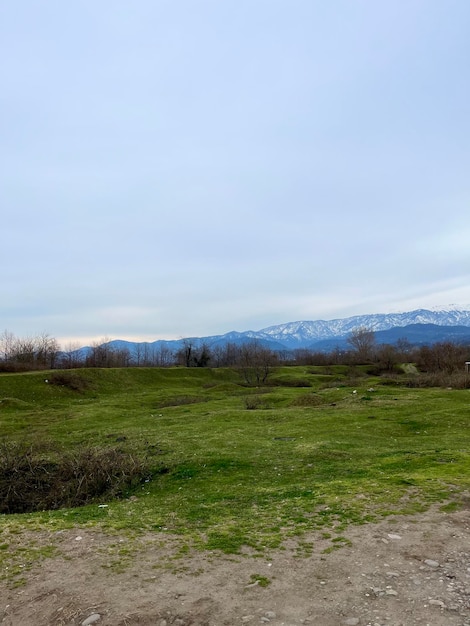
x,y
422,325
302,334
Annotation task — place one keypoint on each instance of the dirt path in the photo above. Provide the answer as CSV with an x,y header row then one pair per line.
x,y
399,572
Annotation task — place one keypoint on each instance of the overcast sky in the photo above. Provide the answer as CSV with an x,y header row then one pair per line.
x,y
174,168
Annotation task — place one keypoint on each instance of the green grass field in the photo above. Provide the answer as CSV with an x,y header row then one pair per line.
x,y
235,466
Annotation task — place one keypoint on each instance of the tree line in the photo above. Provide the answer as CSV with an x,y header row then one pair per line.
x,y
254,359
44,352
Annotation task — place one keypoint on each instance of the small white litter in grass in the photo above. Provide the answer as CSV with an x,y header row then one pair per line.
x,y
103,506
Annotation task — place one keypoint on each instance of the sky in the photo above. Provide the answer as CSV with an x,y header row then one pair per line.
x,y
176,168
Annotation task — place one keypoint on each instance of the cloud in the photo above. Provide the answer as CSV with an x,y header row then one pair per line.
x,y
193,170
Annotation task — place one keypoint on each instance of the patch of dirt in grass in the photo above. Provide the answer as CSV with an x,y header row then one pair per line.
x,y
402,571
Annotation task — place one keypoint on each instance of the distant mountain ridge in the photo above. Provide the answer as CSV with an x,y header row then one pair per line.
x,y
298,334
414,334
420,326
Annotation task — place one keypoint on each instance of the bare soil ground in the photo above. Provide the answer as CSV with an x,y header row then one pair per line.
x,y
402,571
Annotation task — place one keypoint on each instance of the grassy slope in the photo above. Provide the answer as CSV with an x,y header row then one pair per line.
x,y
225,476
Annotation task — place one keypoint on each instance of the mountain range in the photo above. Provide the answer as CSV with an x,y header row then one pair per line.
x,y
418,327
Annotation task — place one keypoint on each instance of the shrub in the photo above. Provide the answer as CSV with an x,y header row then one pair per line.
x,y
253,402
71,380
456,380
37,479
442,357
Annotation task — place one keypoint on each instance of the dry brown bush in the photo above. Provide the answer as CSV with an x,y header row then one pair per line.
x,y
71,380
456,380
38,479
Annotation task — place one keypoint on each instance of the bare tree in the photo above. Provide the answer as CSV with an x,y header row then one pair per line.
x,y
138,354
193,355
101,354
231,354
165,356
7,345
25,352
28,352
203,356
256,362
442,357
71,356
184,355
304,356
121,357
362,340
47,350
387,357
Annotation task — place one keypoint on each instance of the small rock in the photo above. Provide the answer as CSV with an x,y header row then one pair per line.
x,y
431,563
78,538
437,603
351,621
92,619
391,592
248,618
270,614
393,536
